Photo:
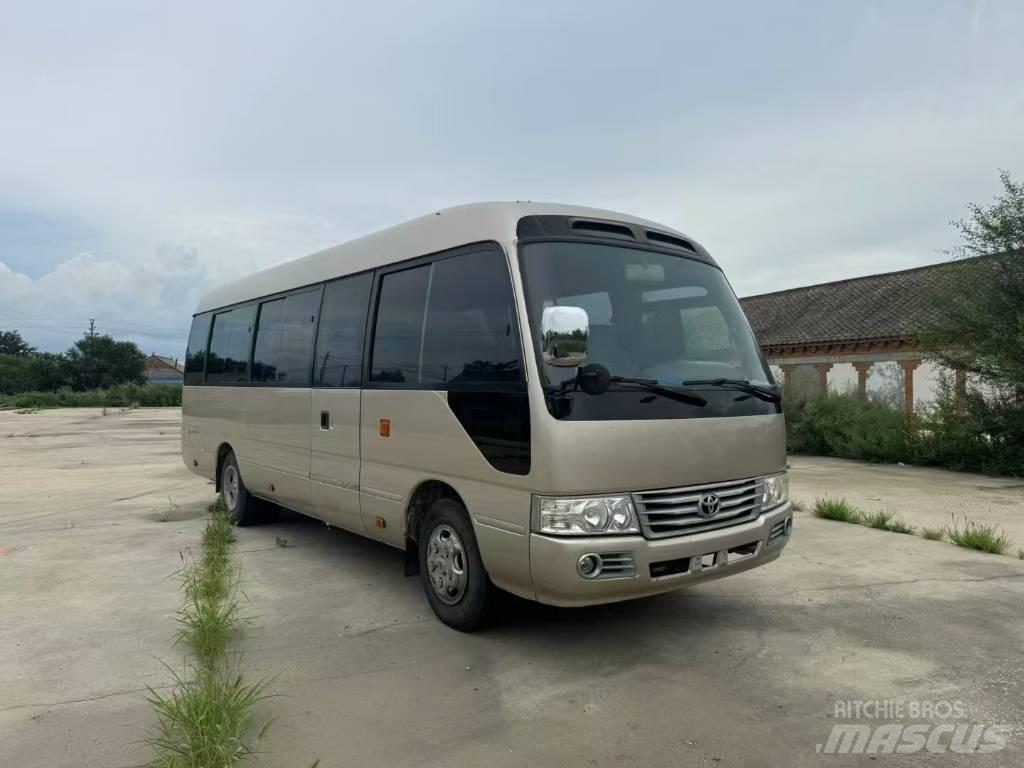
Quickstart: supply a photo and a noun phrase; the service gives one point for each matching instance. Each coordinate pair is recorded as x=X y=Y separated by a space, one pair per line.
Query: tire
x=454 y=580
x=242 y=507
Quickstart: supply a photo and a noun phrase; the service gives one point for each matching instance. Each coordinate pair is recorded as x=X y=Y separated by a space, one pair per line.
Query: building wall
x=885 y=380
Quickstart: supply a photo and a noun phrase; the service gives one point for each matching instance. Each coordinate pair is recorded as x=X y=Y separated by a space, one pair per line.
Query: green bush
x=982 y=432
x=120 y=396
x=849 y=426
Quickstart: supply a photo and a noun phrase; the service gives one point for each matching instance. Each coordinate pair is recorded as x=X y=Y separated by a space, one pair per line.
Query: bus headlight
x=584 y=516
x=776 y=491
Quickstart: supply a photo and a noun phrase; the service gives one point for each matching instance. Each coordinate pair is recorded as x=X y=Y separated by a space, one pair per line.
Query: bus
x=563 y=403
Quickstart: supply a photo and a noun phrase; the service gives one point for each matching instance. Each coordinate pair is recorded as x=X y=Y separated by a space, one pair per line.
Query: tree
x=979 y=306
x=99 y=361
x=11 y=343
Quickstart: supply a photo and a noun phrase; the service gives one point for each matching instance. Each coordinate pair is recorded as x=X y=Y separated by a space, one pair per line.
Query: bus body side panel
x=198 y=449
x=271 y=442
x=267 y=428
x=427 y=442
x=334 y=467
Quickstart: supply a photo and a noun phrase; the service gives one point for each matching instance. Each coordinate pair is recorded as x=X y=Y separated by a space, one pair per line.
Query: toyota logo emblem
x=709 y=505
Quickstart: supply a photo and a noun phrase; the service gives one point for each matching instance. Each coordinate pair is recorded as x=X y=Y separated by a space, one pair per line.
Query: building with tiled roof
x=163 y=370
x=857 y=324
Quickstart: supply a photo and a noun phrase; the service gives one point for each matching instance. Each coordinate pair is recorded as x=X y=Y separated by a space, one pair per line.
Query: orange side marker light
x=385 y=428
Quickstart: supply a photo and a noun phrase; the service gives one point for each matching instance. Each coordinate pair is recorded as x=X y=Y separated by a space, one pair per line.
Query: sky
x=149 y=151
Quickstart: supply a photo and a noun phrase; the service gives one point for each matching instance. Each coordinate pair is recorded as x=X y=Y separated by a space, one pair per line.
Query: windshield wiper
x=741 y=384
x=652 y=385
x=595 y=380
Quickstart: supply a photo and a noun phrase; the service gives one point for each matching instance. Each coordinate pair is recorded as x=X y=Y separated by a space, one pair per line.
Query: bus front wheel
x=454 y=579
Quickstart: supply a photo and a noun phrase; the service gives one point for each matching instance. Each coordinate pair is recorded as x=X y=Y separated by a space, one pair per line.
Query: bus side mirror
x=564 y=335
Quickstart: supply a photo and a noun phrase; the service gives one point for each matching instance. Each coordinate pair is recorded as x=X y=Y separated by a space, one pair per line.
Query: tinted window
x=470 y=334
x=398 y=333
x=269 y=329
x=339 y=346
x=284 y=340
x=229 y=345
x=296 y=357
x=195 y=357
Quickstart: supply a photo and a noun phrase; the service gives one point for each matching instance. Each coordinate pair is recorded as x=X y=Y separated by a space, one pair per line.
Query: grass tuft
x=204 y=719
x=900 y=526
x=211 y=587
x=934 y=534
x=837 y=509
x=1020 y=554
x=798 y=506
x=880 y=519
x=980 y=536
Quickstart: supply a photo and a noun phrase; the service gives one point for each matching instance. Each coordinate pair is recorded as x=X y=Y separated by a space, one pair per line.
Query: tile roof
x=889 y=305
x=170 y=362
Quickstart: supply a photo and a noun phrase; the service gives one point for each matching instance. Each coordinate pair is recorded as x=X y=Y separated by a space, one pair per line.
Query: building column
x=863 y=371
x=960 y=389
x=908 y=366
x=787 y=372
x=823 y=369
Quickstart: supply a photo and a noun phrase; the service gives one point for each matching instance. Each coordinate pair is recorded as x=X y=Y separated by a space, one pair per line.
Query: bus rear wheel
x=240 y=505
x=453 y=575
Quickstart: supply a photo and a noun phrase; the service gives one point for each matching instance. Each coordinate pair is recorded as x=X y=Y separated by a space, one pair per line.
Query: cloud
x=145 y=301
x=799 y=145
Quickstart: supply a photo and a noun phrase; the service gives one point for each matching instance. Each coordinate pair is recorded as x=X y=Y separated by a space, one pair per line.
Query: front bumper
x=556 y=580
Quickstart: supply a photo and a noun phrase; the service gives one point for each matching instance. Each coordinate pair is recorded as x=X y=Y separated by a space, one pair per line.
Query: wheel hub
x=446 y=564
x=229 y=485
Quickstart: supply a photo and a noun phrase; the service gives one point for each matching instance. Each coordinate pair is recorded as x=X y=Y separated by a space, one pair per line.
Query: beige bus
x=561 y=402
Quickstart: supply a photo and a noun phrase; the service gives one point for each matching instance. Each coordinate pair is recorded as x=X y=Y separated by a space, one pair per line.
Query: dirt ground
x=95 y=511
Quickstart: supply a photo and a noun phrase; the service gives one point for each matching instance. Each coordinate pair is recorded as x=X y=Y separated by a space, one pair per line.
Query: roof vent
x=662 y=239
x=603 y=229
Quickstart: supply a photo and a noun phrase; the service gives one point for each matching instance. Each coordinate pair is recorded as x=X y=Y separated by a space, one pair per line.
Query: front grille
x=675 y=511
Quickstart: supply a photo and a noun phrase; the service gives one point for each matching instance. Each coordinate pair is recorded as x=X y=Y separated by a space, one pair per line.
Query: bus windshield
x=653 y=316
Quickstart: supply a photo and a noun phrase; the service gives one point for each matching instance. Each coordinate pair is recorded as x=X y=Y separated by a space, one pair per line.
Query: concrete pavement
x=745 y=671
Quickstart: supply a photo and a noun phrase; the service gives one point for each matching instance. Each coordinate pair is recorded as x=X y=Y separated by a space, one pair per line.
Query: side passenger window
x=448 y=323
x=228 y=362
x=399 y=329
x=195 y=357
x=339 y=345
x=470 y=333
x=283 y=352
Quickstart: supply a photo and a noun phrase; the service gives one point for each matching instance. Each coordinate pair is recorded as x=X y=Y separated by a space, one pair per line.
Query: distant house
x=164 y=370
x=837 y=335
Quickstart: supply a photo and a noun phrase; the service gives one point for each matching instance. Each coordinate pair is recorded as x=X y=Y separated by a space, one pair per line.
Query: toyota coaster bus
x=561 y=402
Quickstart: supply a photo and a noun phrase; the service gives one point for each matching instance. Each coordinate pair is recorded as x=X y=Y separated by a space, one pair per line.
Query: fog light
x=589 y=566
x=789 y=525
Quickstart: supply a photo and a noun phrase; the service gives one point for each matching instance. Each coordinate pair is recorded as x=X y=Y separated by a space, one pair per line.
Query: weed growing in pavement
x=205 y=719
x=899 y=526
x=837 y=509
x=169 y=511
x=934 y=534
x=980 y=536
x=880 y=519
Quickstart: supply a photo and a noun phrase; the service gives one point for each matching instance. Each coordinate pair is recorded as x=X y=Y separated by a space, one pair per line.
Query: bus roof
x=439 y=231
